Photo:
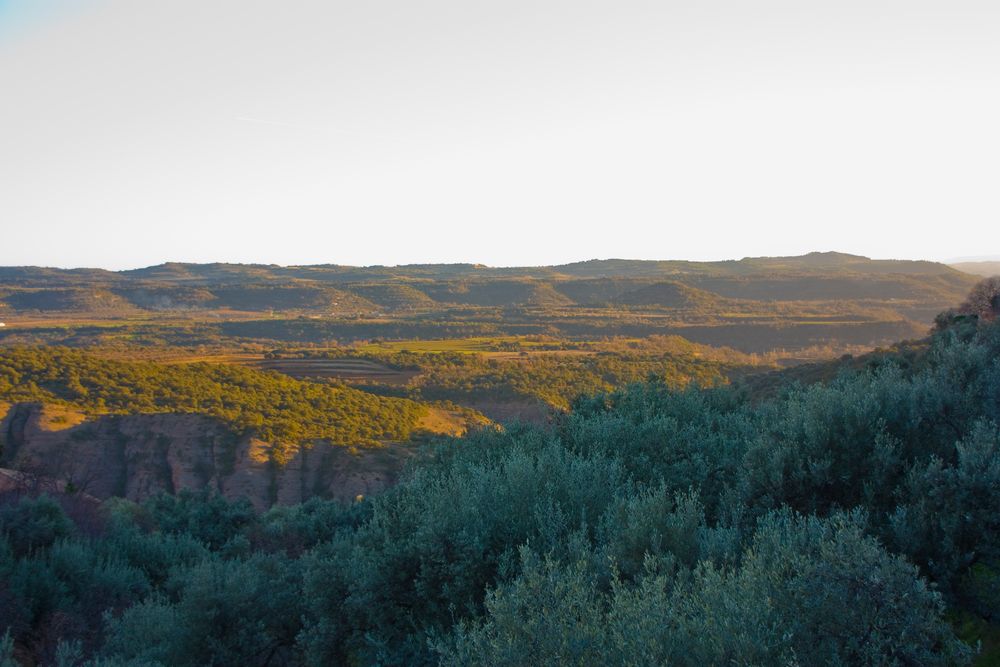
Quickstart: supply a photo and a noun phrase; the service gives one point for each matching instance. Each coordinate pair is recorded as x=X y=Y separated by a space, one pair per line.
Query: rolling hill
x=755 y=304
x=986 y=269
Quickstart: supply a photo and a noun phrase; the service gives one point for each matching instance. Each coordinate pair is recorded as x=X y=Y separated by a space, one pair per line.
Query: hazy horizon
x=130 y=267
x=521 y=133
x=958 y=260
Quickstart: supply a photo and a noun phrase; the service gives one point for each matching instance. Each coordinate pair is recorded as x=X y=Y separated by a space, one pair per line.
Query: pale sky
x=511 y=132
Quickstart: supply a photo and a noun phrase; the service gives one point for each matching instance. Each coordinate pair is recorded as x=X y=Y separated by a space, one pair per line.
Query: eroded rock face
x=136 y=456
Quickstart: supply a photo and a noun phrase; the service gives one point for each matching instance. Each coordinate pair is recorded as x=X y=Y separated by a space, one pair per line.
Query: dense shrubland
x=271 y=406
x=554 y=379
x=546 y=375
x=845 y=523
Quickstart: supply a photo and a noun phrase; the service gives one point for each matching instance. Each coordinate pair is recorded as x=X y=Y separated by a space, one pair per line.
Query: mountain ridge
x=610 y=267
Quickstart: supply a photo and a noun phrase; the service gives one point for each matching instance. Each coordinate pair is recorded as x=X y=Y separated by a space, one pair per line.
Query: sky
x=513 y=132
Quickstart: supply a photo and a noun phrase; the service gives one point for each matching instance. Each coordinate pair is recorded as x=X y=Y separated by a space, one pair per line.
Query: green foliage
x=835 y=596
x=207 y=518
x=551 y=615
x=947 y=518
x=7 y=651
x=553 y=379
x=844 y=523
x=806 y=591
x=220 y=612
x=297 y=528
x=271 y=406
x=33 y=524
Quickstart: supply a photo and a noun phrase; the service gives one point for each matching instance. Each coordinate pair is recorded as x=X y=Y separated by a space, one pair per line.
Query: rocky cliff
x=136 y=456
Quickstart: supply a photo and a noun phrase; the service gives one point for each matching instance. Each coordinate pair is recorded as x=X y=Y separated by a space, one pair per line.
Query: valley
x=296 y=364
x=389 y=454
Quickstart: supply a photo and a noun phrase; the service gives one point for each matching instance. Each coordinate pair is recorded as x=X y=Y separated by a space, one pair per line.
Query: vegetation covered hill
x=270 y=406
x=256 y=287
x=669 y=295
x=480 y=371
x=754 y=304
x=816 y=262
x=848 y=522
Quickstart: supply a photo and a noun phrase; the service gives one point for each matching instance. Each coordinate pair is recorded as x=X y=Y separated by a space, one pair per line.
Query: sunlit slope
x=270 y=406
x=265 y=287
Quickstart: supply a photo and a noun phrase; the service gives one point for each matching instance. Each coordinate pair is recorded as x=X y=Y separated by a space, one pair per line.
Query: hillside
x=285 y=428
x=139 y=455
x=848 y=521
x=134 y=429
x=756 y=305
x=671 y=295
x=267 y=405
x=985 y=269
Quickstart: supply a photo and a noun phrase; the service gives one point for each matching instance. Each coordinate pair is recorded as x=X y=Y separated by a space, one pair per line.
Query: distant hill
x=987 y=269
x=752 y=304
x=812 y=263
x=823 y=263
x=66 y=299
x=669 y=295
x=495 y=292
x=393 y=296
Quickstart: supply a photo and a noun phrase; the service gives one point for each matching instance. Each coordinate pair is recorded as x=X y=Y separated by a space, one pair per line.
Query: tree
x=984 y=300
